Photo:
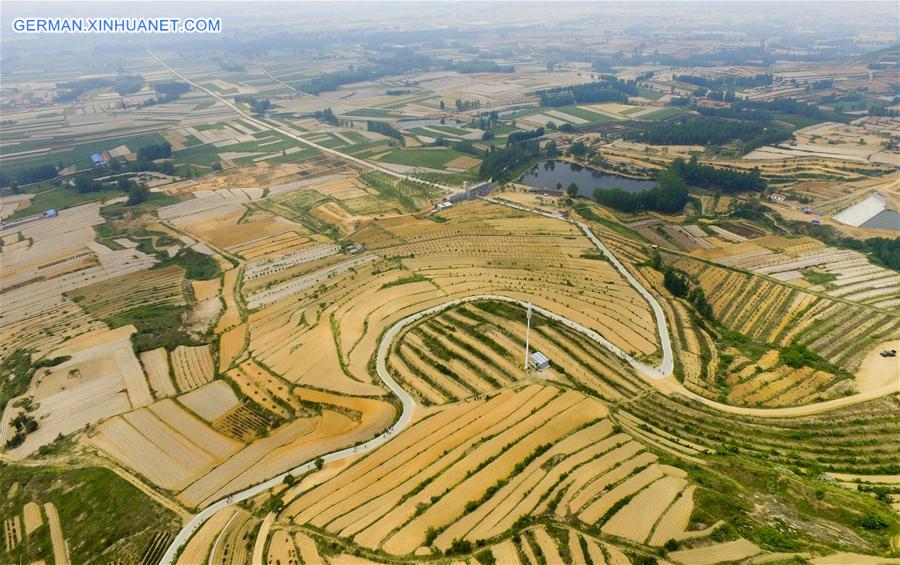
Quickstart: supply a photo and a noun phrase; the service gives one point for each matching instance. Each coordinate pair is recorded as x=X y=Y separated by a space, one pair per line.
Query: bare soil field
x=156 y=365
x=210 y=401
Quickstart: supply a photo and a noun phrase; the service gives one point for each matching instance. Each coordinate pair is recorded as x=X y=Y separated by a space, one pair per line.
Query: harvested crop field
x=60 y=552
x=450 y=473
x=475 y=348
x=101 y=378
x=33 y=519
x=156 y=287
x=156 y=365
x=165 y=444
x=193 y=366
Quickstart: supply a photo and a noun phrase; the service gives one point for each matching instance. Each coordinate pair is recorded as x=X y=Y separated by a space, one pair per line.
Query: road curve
x=407 y=401
x=667 y=366
x=661 y=375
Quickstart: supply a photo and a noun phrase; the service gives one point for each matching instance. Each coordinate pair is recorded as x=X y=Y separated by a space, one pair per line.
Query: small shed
x=98 y=159
x=539 y=361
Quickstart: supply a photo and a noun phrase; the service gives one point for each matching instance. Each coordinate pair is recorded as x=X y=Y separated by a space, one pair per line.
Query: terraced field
x=160 y=287
x=476 y=469
x=841 y=332
x=858 y=439
x=478 y=347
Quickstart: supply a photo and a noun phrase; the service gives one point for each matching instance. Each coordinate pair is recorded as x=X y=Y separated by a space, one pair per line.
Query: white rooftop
x=862 y=212
x=539 y=358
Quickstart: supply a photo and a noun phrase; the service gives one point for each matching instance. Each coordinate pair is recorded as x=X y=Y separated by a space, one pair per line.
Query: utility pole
x=527 y=336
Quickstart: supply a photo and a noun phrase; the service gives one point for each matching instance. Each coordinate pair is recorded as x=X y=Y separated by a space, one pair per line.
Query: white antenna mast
x=527 y=336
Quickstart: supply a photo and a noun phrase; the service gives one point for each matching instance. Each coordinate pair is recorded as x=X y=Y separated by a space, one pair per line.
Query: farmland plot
x=199 y=545
x=60 y=552
x=101 y=379
x=448 y=473
x=772 y=312
x=475 y=348
x=165 y=444
x=210 y=401
x=33 y=519
x=157 y=287
x=12 y=532
x=824 y=436
x=193 y=366
x=156 y=365
x=343 y=421
x=838 y=272
x=718 y=553
x=282 y=550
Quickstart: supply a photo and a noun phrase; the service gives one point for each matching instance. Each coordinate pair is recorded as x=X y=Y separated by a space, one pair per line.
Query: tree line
x=608 y=89
x=711 y=131
x=257 y=106
x=168 y=91
x=521 y=151
x=384 y=128
x=726 y=82
x=333 y=81
x=668 y=196
x=726 y=180
x=762 y=110
x=469 y=67
x=327 y=116
x=677 y=283
x=123 y=84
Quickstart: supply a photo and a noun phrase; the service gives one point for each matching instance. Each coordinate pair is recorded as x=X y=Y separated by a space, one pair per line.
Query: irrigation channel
x=661 y=371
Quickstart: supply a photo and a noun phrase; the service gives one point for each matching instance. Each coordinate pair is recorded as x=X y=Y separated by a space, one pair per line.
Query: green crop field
x=431 y=158
x=650 y=94
x=103 y=517
x=80 y=154
x=584 y=114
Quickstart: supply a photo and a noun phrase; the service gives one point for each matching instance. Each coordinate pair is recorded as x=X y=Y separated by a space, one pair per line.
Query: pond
x=547 y=174
x=884 y=220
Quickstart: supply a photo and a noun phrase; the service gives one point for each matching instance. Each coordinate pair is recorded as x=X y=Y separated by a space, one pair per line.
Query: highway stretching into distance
x=271 y=125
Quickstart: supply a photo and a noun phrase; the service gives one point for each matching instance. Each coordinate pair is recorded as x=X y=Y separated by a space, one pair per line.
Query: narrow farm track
x=272 y=125
x=660 y=376
x=407 y=401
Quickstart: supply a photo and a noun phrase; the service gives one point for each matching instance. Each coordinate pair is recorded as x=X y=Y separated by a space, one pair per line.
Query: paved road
x=272 y=125
x=665 y=368
x=662 y=371
x=661 y=376
x=407 y=401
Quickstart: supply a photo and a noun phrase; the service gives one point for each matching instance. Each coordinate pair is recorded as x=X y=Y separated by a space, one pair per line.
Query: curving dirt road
x=666 y=383
x=660 y=377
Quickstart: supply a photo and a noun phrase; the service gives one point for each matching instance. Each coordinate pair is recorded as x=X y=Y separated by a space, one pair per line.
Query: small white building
x=539 y=361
